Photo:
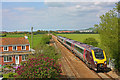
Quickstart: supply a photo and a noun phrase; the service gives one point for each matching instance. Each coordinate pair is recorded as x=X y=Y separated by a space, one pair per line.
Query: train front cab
x=100 y=60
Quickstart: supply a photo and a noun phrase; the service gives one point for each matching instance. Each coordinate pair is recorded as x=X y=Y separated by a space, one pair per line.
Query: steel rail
x=68 y=62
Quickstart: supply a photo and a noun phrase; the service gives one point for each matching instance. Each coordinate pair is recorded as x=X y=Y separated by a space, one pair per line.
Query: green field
x=36 y=38
x=77 y=37
x=81 y=37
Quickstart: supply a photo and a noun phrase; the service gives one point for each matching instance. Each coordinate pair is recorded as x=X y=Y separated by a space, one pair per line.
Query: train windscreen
x=99 y=54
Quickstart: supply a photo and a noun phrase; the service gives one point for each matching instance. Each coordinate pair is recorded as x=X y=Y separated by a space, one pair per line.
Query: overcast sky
x=21 y=16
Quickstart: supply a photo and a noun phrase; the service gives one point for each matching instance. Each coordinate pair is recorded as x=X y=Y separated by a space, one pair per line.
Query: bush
x=50 y=36
x=54 y=34
x=49 y=51
x=1 y=75
x=9 y=66
x=39 y=67
x=11 y=74
x=91 y=41
x=3 y=35
x=46 y=39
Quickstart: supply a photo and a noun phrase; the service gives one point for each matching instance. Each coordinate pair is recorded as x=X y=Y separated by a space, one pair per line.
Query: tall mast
x=31 y=37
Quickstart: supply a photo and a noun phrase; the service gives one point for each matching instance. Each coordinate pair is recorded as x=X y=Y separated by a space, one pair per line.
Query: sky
x=21 y=16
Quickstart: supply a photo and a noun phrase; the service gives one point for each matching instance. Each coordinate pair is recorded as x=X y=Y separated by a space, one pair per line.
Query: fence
x=111 y=63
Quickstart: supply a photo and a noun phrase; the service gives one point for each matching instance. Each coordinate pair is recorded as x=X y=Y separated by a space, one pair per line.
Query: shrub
x=50 y=36
x=49 y=51
x=54 y=34
x=9 y=66
x=1 y=75
x=45 y=39
x=11 y=74
x=39 y=67
x=91 y=41
x=3 y=35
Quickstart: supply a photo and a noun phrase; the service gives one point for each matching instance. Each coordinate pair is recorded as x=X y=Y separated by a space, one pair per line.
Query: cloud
x=0 y=16
x=5 y=10
x=24 y=9
x=97 y=3
x=78 y=6
x=55 y=4
x=81 y=0
x=55 y=16
x=22 y=0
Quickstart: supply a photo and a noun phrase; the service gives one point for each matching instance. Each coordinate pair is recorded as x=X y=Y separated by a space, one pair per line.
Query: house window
x=23 y=47
x=14 y=47
x=7 y=58
x=23 y=57
x=5 y=48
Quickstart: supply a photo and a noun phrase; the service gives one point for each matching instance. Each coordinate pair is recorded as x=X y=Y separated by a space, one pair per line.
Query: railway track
x=66 y=61
x=105 y=76
x=102 y=76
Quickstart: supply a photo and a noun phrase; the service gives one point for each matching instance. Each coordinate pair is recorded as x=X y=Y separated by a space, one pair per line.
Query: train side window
x=68 y=43
x=61 y=39
x=79 y=49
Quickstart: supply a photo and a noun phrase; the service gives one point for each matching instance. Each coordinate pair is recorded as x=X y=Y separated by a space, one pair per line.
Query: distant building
x=65 y=31
x=86 y=31
x=3 y=32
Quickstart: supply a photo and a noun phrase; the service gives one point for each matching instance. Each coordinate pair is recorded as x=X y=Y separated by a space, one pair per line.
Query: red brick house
x=14 y=50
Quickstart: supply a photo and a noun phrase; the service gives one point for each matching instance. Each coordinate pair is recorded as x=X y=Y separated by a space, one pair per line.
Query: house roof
x=14 y=41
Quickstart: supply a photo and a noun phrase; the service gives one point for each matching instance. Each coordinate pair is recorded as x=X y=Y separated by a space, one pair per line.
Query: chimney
x=26 y=37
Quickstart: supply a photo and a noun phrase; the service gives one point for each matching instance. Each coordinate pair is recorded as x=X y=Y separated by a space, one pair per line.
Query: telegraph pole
x=48 y=32
x=31 y=37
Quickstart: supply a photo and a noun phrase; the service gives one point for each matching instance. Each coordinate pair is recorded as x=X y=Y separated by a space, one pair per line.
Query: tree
x=91 y=41
x=108 y=30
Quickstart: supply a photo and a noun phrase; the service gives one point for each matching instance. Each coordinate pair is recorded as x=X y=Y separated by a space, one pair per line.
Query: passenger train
x=94 y=57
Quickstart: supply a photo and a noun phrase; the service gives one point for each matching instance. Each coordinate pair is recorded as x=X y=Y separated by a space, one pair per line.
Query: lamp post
x=31 y=37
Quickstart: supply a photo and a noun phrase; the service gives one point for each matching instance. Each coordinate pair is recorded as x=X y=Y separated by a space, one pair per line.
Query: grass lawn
x=81 y=37
x=36 y=38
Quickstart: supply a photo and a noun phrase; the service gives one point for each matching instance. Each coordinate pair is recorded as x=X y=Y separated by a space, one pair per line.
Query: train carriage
x=94 y=57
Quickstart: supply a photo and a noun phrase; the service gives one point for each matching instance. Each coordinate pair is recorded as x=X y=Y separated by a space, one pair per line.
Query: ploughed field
x=81 y=37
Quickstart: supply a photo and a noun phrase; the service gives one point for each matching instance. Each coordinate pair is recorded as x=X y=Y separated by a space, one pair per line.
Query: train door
x=84 y=55
x=91 y=60
x=87 y=53
x=89 y=57
x=72 y=47
x=64 y=42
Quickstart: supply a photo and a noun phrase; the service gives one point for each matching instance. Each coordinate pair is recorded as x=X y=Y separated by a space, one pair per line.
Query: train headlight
x=105 y=62
x=95 y=62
